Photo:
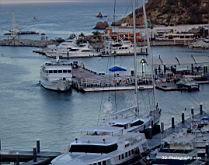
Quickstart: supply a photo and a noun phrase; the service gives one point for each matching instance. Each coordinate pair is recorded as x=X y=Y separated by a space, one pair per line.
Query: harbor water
x=28 y=112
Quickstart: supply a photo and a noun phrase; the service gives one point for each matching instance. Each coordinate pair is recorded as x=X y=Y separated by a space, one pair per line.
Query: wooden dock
x=86 y=80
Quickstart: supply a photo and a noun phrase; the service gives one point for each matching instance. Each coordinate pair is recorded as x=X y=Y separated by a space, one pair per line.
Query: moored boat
x=56 y=76
x=104 y=146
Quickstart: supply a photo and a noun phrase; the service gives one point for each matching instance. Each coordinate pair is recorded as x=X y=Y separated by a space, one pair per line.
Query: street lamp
x=143 y=62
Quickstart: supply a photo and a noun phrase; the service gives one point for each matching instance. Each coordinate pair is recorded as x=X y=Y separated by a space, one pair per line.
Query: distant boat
x=122 y=48
x=187 y=83
x=56 y=76
x=99 y=15
x=69 y=49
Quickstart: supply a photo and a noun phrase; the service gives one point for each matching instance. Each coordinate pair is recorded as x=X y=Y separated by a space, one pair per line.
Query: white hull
x=71 y=55
x=59 y=85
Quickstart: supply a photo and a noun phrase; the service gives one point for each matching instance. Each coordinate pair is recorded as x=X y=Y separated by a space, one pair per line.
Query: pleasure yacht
x=122 y=48
x=56 y=76
x=104 y=146
x=69 y=49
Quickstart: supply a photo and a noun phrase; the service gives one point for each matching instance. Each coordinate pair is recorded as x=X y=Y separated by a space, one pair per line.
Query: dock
x=27 y=43
x=155 y=140
x=35 y=156
x=85 y=80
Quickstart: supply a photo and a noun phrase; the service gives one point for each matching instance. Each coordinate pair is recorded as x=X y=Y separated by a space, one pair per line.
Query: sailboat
x=130 y=118
x=112 y=143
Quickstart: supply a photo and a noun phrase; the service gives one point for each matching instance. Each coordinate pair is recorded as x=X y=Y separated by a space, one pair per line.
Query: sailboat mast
x=135 y=58
x=149 y=49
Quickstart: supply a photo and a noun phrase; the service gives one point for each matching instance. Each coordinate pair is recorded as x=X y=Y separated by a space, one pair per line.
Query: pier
x=35 y=156
x=27 y=43
x=85 y=80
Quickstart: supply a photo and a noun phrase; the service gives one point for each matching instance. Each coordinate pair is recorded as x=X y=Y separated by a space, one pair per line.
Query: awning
x=117 y=69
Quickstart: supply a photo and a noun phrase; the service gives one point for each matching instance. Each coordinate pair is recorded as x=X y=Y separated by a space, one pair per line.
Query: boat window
x=120 y=125
x=93 y=148
x=100 y=163
x=132 y=151
x=119 y=157
x=104 y=163
x=64 y=71
x=50 y=71
x=126 y=155
x=55 y=71
x=69 y=71
x=138 y=122
x=116 y=45
x=59 y=71
x=122 y=156
x=86 y=50
x=73 y=50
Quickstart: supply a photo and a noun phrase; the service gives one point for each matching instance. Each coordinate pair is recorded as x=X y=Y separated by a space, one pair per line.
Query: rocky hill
x=172 y=12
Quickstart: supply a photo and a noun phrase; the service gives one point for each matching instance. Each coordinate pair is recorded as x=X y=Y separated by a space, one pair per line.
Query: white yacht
x=104 y=146
x=122 y=48
x=69 y=49
x=56 y=76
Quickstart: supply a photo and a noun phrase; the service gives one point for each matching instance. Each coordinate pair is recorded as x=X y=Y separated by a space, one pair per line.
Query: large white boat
x=56 y=76
x=69 y=49
x=104 y=146
x=122 y=48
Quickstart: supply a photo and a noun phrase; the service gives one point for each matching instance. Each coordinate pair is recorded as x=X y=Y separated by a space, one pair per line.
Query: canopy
x=117 y=69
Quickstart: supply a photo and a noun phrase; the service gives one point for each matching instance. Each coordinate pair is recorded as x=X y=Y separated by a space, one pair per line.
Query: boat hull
x=59 y=85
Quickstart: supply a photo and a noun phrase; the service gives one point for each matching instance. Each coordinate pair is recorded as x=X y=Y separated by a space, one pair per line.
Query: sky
x=45 y=1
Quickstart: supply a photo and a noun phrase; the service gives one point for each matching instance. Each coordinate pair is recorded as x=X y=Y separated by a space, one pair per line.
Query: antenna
x=135 y=58
x=14 y=29
x=149 y=49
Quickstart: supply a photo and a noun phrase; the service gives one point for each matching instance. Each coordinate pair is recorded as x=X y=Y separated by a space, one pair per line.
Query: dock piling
x=17 y=159
x=192 y=112
x=162 y=127
x=201 y=109
x=173 y=122
x=182 y=117
x=34 y=155
x=207 y=154
x=38 y=146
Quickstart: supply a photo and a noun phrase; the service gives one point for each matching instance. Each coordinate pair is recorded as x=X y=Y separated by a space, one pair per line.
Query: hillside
x=172 y=12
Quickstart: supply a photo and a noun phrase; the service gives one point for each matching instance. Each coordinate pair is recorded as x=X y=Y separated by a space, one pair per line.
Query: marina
x=114 y=114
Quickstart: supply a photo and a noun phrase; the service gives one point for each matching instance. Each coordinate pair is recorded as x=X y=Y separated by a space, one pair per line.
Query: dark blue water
x=29 y=112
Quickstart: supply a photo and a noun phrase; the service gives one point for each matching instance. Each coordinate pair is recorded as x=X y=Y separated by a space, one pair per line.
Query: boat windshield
x=93 y=148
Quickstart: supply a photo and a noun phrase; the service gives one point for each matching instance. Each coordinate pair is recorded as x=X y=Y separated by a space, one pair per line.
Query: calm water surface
x=29 y=112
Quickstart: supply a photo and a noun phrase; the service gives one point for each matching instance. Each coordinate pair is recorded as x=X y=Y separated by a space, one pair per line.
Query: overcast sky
x=52 y=1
